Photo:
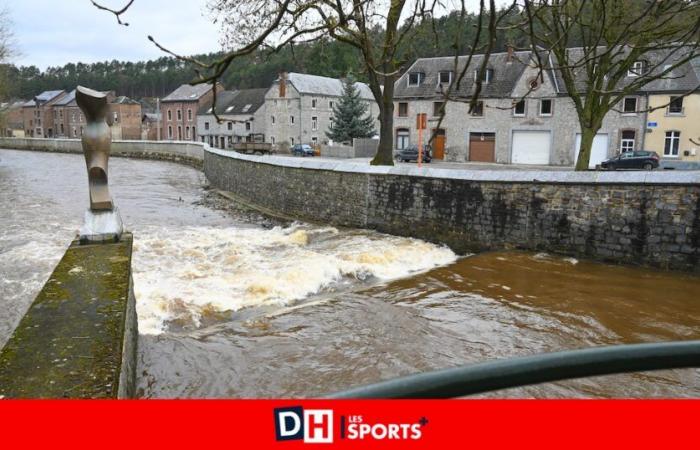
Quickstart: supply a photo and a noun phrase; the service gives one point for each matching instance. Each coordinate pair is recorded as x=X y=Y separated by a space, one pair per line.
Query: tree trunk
x=385 y=151
x=584 y=153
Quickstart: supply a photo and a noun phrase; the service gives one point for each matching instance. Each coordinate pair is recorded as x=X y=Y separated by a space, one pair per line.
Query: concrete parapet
x=78 y=339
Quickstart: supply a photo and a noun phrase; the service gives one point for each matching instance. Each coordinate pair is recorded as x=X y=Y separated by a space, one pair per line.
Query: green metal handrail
x=508 y=373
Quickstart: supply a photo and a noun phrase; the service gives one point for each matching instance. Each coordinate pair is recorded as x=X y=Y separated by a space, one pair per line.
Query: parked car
x=639 y=159
x=410 y=153
x=302 y=150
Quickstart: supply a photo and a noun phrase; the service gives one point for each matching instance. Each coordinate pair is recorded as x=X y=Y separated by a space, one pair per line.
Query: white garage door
x=531 y=147
x=599 y=151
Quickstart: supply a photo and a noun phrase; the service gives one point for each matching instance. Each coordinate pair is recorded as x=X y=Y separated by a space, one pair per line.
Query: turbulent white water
x=181 y=274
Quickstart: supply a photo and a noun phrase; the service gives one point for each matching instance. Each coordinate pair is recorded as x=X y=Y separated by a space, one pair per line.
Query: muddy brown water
x=233 y=305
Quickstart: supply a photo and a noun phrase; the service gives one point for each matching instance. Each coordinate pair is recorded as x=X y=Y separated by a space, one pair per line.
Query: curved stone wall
x=648 y=218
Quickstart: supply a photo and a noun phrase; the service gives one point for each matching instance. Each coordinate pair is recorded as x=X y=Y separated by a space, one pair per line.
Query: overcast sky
x=55 y=32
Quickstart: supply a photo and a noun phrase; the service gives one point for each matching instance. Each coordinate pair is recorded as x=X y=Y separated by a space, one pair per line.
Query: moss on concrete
x=70 y=342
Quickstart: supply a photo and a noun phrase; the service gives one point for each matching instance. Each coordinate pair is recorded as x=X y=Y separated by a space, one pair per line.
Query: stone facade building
x=243 y=118
x=179 y=110
x=299 y=108
x=37 y=114
x=521 y=117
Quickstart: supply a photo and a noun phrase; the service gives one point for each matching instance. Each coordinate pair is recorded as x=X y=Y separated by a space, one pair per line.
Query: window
x=230 y=126
x=402 y=138
x=170 y=115
x=313 y=103
x=170 y=132
x=61 y=128
x=629 y=105
x=247 y=126
x=627 y=140
x=75 y=132
x=189 y=114
x=488 y=75
x=519 y=109
x=330 y=104
x=445 y=77
x=272 y=139
x=179 y=132
x=206 y=125
x=672 y=143
x=403 y=109
x=314 y=123
x=314 y=140
x=637 y=69
x=187 y=132
x=272 y=119
x=179 y=114
x=415 y=78
x=676 y=105
x=291 y=140
x=330 y=123
x=545 y=107
x=60 y=113
x=478 y=110
x=116 y=116
x=247 y=107
x=291 y=120
x=437 y=109
x=194 y=133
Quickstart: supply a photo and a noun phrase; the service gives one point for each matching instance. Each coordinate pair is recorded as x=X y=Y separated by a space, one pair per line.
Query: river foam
x=182 y=274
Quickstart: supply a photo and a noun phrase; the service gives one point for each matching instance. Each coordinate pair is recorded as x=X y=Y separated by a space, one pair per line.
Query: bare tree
x=376 y=28
x=625 y=45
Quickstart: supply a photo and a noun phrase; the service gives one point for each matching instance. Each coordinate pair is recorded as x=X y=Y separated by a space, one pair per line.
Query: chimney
x=510 y=50
x=283 y=84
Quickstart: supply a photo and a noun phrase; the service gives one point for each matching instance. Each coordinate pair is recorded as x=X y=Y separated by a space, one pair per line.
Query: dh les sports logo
x=314 y=426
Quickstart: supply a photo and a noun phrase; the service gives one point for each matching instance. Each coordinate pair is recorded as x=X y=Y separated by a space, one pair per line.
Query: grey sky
x=55 y=32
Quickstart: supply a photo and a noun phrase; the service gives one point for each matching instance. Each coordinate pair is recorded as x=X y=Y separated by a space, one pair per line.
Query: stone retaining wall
x=648 y=218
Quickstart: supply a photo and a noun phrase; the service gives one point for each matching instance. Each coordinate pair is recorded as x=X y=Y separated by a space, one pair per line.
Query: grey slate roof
x=681 y=79
x=244 y=101
x=505 y=76
x=314 y=84
x=124 y=100
x=187 y=93
x=44 y=97
x=66 y=99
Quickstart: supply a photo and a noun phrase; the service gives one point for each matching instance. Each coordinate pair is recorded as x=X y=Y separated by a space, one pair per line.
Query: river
x=232 y=304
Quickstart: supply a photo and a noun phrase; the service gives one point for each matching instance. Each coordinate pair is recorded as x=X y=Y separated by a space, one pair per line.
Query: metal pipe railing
x=508 y=373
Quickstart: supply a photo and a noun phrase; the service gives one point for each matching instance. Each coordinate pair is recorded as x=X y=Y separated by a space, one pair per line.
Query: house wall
x=498 y=118
x=301 y=107
x=238 y=131
x=127 y=122
x=688 y=123
x=172 y=123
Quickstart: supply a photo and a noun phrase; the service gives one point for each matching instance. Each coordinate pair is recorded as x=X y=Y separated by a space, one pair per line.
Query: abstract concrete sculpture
x=102 y=220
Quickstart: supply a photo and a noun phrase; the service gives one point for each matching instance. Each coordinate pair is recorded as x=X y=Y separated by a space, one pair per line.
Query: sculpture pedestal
x=101 y=226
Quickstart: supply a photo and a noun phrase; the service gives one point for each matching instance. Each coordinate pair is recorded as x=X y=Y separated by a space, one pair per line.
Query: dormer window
x=445 y=77
x=637 y=69
x=488 y=75
x=415 y=78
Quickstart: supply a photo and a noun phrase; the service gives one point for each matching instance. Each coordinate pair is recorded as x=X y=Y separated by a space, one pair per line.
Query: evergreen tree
x=351 y=118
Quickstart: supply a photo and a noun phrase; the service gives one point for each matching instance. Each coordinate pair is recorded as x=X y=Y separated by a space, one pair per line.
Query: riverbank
x=631 y=217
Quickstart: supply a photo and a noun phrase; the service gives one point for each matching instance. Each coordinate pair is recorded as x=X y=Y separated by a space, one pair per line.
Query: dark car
x=410 y=153
x=302 y=150
x=640 y=159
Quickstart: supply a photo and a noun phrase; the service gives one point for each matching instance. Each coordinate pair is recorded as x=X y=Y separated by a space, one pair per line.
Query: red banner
x=258 y=424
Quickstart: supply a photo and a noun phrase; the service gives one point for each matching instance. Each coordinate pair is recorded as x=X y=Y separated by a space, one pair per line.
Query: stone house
x=243 y=118
x=123 y=117
x=37 y=114
x=299 y=108
x=541 y=128
x=150 y=126
x=179 y=110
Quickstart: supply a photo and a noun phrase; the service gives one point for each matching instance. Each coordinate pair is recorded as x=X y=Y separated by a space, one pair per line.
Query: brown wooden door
x=439 y=145
x=482 y=147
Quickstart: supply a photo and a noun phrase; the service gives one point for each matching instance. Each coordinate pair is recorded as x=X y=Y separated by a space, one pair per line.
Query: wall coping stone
x=500 y=176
